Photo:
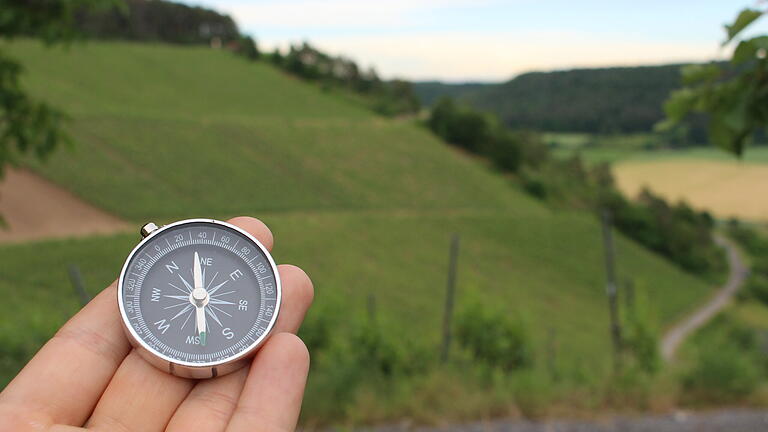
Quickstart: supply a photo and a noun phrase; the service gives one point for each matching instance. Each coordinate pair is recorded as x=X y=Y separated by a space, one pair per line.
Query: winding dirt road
x=737 y=275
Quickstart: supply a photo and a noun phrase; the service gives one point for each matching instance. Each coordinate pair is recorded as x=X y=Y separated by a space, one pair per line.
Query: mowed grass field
x=706 y=177
x=725 y=188
x=365 y=204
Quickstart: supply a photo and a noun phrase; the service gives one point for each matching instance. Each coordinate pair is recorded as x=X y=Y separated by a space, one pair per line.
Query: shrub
x=760 y=264
x=723 y=373
x=535 y=184
x=247 y=47
x=757 y=288
x=380 y=350
x=460 y=126
x=749 y=238
x=640 y=336
x=504 y=150
x=492 y=336
x=317 y=329
x=675 y=231
x=534 y=153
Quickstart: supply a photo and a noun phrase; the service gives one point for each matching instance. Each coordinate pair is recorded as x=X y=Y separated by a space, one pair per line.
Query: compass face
x=199 y=293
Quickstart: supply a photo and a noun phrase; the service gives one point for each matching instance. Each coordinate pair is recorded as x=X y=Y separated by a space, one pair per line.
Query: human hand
x=88 y=376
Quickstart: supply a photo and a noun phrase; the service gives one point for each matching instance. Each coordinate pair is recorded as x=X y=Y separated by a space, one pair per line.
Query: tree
x=158 y=20
x=28 y=126
x=734 y=95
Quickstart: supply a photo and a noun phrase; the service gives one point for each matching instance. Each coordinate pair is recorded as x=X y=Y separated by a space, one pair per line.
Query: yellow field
x=723 y=187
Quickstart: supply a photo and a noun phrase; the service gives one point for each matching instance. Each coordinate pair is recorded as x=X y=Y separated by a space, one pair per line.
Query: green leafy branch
x=28 y=126
x=733 y=95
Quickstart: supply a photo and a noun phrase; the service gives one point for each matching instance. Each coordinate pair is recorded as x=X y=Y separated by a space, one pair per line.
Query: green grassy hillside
x=364 y=204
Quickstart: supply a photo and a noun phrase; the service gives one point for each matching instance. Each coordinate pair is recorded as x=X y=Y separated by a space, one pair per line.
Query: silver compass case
x=192 y=275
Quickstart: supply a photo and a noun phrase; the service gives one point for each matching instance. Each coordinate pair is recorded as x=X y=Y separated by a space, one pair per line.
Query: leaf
x=736 y=116
x=721 y=135
x=679 y=104
x=745 y=18
x=747 y=49
x=696 y=73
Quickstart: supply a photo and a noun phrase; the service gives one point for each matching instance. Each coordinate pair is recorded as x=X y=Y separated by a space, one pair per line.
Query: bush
x=504 y=150
x=535 y=186
x=371 y=357
x=722 y=374
x=640 y=338
x=492 y=336
x=760 y=264
x=643 y=343
x=460 y=126
x=676 y=231
x=754 y=243
x=757 y=288
x=381 y=351
x=317 y=328
x=247 y=48
x=534 y=153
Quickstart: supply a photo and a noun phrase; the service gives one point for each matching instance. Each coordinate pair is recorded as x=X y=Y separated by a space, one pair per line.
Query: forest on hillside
x=607 y=100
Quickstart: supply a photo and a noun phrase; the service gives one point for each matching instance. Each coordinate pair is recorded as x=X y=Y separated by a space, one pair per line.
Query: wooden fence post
x=610 y=272
x=450 y=292
x=77 y=283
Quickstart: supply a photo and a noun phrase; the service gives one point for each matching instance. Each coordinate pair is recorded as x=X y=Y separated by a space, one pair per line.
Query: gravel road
x=737 y=275
x=720 y=421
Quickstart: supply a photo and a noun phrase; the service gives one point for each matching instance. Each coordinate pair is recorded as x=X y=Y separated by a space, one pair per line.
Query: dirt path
x=35 y=209
x=737 y=275
x=721 y=421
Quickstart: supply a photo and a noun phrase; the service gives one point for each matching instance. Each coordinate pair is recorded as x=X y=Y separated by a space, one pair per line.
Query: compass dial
x=198 y=294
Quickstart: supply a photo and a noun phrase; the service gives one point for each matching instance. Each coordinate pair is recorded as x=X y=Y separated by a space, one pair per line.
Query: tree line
x=675 y=231
x=607 y=100
x=155 y=21
x=386 y=97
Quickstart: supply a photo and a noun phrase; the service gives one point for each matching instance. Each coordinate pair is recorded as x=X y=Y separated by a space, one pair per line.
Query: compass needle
x=200 y=319
x=212 y=275
x=199 y=298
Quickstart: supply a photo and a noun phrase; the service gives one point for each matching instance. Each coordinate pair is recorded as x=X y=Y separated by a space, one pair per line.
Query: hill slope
x=364 y=204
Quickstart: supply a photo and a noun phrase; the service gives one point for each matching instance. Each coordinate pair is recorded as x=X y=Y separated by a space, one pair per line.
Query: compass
x=198 y=297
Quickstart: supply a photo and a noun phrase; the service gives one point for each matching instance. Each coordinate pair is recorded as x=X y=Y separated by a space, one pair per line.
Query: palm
x=88 y=376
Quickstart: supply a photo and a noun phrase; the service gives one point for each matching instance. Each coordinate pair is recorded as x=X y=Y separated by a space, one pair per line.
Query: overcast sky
x=488 y=40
